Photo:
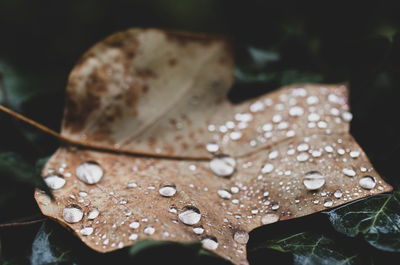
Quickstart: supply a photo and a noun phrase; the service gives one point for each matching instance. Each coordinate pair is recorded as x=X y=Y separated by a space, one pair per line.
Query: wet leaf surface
x=283 y=155
x=376 y=219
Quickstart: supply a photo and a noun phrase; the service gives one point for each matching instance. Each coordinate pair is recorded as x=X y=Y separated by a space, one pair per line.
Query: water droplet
x=93 y=214
x=302 y=157
x=338 y=194
x=72 y=214
x=167 y=190
x=210 y=243
x=273 y=154
x=296 y=111
x=277 y=118
x=198 y=230
x=89 y=172
x=224 y=194
x=86 y=231
x=275 y=206
x=134 y=224
x=212 y=147
x=349 y=172
x=190 y=215
x=313 y=117
x=54 y=182
x=132 y=185
x=149 y=230
x=347 y=116
x=303 y=147
x=354 y=154
x=241 y=236
x=267 y=127
x=234 y=189
x=235 y=135
x=82 y=194
x=311 y=100
x=257 y=106
x=367 y=182
x=269 y=218
x=328 y=203
x=223 y=166
x=266 y=193
x=313 y=180
x=267 y=168
x=133 y=237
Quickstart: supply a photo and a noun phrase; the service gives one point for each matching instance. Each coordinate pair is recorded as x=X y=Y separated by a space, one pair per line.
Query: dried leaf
x=163 y=94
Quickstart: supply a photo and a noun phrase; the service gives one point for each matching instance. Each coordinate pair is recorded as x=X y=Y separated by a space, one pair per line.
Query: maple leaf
x=160 y=153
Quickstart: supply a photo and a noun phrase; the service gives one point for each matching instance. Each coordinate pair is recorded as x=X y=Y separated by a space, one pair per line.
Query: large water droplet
x=210 y=243
x=269 y=218
x=54 y=182
x=223 y=166
x=224 y=194
x=313 y=180
x=72 y=214
x=89 y=172
x=367 y=182
x=168 y=190
x=190 y=215
x=241 y=237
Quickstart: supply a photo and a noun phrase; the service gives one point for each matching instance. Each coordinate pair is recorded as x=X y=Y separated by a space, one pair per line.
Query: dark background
x=276 y=43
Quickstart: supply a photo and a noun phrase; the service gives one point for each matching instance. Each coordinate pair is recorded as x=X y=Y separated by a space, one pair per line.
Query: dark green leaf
x=43 y=251
x=376 y=218
x=310 y=248
x=12 y=166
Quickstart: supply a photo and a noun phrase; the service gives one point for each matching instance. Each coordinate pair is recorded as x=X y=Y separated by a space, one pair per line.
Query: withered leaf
x=163 y=94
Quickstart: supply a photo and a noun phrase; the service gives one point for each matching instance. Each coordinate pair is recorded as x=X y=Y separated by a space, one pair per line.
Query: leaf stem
x=23 y=223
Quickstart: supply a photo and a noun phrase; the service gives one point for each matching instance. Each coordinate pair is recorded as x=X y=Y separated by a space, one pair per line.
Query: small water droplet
x=303 y=147
x=86 y=231
x=134 y=224
x=149 y=230
x=132 y=185
x=223 y=165
x=167 y=190
x=302 y=157
x=257 y=106
x=296 y=111
x=349 y=172
x=72 y=214
x=313 y=180
x=354 y=153
x=210 y=243
x=190 y=215
x=347 y=116
x=273 y=154
x=269 y=218
x=277 y=118
x=275 y=206
x=328 y=203
x=224 y=194
x=198 y=230
x=367 y=182
x=54 y=182
x=267 y=168
x=133 y=237
x=212 y=147
x=93 y=214
x=234 y=189
x=267 y=127
x=241 y=236
x=313 y=117
x=89 y=172
x=235 y=135
x=311 y=100
x=338 y=194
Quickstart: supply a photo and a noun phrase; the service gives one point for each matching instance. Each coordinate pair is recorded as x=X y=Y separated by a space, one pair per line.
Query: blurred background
x=276 y=43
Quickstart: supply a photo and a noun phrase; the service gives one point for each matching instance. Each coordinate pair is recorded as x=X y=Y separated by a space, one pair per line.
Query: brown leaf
x=164 y=94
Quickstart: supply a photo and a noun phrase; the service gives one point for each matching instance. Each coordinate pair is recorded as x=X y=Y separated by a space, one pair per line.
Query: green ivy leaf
x=376 y=218
x=13 y=166
x=310 y=248
x=44 y=251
